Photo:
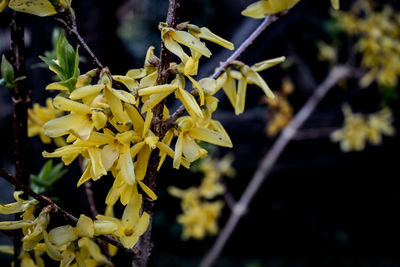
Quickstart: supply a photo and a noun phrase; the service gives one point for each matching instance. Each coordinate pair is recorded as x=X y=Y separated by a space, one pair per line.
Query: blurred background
x=319 y=206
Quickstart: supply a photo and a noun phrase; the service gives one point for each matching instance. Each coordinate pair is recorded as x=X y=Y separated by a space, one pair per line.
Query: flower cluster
x=113 y=124
x=378 y=33
x=280 y=111
x=359 y=129
x=200 y=209
x=67 y=243
x=110 y=123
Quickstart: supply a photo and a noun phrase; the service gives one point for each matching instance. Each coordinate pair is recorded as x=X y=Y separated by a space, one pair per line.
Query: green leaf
x=48 y=175
x=53 y=65
x=66 y=56
x=7 y=72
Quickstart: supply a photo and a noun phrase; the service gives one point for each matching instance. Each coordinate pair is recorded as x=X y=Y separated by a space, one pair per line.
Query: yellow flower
x=335 y=4
x=113 y=96
x=261 y=9
x=188 y=132
x=358 y=129
x=131 y=226
x=38 y=116
x=172 y=38
x=80 y=122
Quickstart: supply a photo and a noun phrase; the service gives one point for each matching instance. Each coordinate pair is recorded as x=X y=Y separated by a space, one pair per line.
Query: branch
x=145 y=244
x=20 y=98
x=224 y=65
x=71 y=219
x=69 y=24
x=261 y=174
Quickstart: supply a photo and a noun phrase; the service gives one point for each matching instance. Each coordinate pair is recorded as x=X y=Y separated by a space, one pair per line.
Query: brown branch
x=20 y=99
x=71 y=219
x=69 y=24
x=266 y=164
x=224 y=65
x=145 y=244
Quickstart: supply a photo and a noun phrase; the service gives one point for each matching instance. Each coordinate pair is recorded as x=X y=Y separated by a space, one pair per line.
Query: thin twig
x=71 y=219
x=70 y=26
x=145 y=244
x=20 y=99
x=266 y=164
x=235 y=55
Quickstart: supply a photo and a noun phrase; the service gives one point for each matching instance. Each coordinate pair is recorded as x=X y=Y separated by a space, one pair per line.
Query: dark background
x=319 y=206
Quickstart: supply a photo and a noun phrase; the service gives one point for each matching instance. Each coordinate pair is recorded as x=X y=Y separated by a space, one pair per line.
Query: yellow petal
x=109 y=154
x=266 y=64
x=116 y=107
x=12 y=225
x=335 y=4
x=99 y=119
x=199 y=89
x=230 y=89
x=241 y=96
x=51 y=250
x=208 y=35
x=68 y=257
x=189 y=102
x=130 y=83
x=192 y=150
x=147 y=190
x=166 y=150
x=66 y=104
x=254 y=77
x=178 y=151
x=142 y=224
x=86 y=91
x=57 y=86
x=86 y=175
x=147 y=123
x=62 y=235
x=85 y=227
x=153 y=100
x=126 y=164
x=129 y=241
x=190 y=41
x=165 y=88
x=136 y=73
x=149 y=80
x=131 y=211
x=40 y=8
x=7 y=249
x=264 y=8
x=176 y=49
x=102 y=227
x=124 y=96
x=16 y=207
x=136 y=117
x=97 y=169
x=209 y=136
x=142 y=162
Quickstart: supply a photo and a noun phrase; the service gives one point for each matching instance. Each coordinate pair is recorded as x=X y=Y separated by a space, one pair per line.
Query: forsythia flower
x=38 y=116
x=378 y=33
x=131 y=226
x=200 y=212
x=358 y=129
x=261 y=9
x=280 y=111
x=245 y=75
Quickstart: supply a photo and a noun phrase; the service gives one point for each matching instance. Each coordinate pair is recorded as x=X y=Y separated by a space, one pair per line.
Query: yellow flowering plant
x=119 y=125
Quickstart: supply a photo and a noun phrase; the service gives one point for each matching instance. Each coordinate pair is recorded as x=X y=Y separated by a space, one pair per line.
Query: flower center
x=128 y=231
